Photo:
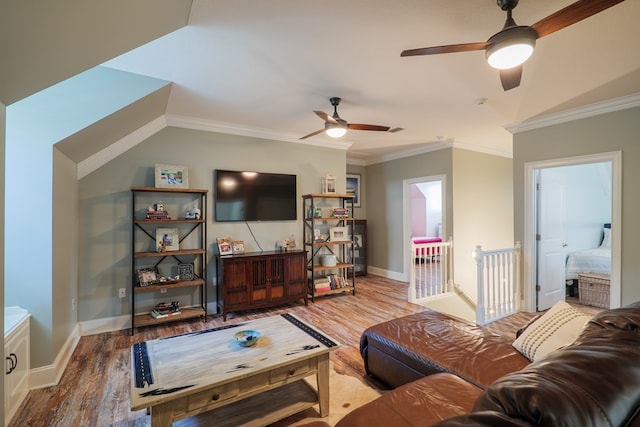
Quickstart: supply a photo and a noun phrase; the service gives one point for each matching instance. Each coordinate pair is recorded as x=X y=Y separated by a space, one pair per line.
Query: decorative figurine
x=193 y=213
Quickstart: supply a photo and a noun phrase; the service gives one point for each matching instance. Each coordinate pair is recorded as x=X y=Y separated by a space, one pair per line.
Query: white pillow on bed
x=556 y=328
x=606 y=241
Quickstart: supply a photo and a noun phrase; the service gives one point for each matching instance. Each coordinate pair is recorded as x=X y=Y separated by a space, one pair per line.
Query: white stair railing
x=431 y=273
x=498 y=283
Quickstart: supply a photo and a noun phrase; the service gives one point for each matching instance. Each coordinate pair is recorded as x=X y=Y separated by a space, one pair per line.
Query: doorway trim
x=529 y=261
x=406 y=215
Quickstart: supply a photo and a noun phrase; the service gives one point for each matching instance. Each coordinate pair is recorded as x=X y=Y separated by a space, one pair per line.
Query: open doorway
x=568 y=204
x=424 y=212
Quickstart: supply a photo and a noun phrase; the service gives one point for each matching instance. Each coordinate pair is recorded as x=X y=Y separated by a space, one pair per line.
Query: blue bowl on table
x=247 y=338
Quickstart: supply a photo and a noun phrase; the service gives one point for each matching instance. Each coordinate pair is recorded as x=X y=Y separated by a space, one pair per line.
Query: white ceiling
x=261 y=67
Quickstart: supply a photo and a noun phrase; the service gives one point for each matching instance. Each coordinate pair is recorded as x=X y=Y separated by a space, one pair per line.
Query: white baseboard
x=50 y=375
x=107 y=324
x=400 y=277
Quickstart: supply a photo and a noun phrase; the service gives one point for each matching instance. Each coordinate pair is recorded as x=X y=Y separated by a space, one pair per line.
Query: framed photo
x=147 y=276
x=172 y=176
x=237 y=247
x=225 y=245
x=329 y=183
x=185 y=271
x=167 y=239
x=338 y=234
x=353 y=188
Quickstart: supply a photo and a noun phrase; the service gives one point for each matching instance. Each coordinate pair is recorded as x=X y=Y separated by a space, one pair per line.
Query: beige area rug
x=345 y=394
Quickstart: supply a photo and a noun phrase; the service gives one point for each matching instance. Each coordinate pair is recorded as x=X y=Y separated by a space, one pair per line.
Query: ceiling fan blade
x=324 y=116
x=452 y=48
x=359 y=126
x=312 y=134
x=571 y=14
x=511 y=78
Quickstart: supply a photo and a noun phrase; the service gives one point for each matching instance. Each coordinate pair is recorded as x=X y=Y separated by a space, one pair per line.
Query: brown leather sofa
x=454 y=374
x=405 y=349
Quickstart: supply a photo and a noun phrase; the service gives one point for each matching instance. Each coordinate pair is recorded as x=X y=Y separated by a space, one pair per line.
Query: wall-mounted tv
x=255 y=196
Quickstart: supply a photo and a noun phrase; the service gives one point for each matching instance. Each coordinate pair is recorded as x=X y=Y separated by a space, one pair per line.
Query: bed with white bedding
x=594 y=260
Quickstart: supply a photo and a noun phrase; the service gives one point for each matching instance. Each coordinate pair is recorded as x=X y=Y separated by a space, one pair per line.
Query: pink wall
x=418 y=212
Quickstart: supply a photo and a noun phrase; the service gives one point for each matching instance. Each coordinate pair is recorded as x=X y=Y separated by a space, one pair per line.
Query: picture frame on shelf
x=186 y=271
x=172 y=176
x=237 y=247
x=329 y=184
x=225 y=245
x=167 y=239
x=353 y=188
x=147 y=276
x=338 y=234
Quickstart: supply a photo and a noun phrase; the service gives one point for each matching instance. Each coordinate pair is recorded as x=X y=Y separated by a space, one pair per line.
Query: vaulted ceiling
x=261 y=68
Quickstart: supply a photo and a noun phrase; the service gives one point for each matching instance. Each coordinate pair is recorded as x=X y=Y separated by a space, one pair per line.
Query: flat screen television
x=255 y=196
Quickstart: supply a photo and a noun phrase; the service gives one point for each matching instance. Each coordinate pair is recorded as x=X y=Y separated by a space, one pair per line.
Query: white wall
x=483 y=210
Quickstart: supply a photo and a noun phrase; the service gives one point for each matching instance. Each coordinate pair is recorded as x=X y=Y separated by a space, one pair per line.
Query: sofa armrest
x=419 y=403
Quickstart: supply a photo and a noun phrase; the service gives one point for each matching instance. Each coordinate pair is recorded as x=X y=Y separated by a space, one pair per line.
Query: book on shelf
x=340 y=281
x=321 y=285
x=164 y=309
x=340 y=212
x=158 y=315
x=336 y=281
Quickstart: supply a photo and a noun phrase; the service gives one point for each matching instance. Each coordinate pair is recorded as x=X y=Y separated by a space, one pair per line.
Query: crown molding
x=426 y=148
x=591 y=110
x=234 y=129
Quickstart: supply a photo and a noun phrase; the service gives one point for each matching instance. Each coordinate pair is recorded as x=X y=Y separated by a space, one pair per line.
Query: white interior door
x=550 y=235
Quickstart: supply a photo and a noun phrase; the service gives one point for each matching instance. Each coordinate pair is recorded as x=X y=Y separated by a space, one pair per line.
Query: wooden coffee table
x=185 y=375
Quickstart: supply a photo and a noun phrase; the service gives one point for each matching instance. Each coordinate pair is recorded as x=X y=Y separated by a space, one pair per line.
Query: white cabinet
x=16 y=368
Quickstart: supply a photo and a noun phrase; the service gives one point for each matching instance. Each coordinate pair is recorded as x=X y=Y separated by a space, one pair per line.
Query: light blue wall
x=587 y=204
x=33 y=126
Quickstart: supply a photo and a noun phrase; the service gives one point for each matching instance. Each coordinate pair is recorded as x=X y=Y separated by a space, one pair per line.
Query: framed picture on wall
x=172 y=176
x=353 y=188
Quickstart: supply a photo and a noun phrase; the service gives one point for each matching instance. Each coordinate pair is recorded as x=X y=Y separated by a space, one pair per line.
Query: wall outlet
x=163 y=290
x=73 y=304
x=122 y=292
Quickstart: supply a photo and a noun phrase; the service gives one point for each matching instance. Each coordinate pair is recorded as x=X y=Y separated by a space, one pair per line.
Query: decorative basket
x=594 y=289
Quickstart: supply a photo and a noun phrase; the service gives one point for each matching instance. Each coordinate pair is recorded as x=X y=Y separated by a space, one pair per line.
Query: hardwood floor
x=95 y=387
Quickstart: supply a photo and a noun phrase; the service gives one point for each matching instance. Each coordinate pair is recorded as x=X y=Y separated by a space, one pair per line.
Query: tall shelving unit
x=319 y=220
x=192 y=235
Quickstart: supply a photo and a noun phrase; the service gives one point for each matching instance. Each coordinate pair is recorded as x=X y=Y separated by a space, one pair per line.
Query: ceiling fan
x=335 y=126
x=508 y=49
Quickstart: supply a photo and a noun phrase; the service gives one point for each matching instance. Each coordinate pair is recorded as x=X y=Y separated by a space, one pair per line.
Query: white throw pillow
x=558 y=327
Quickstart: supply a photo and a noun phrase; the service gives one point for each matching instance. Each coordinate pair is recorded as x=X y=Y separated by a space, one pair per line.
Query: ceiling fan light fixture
x=511 y=47
x=335 y=130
